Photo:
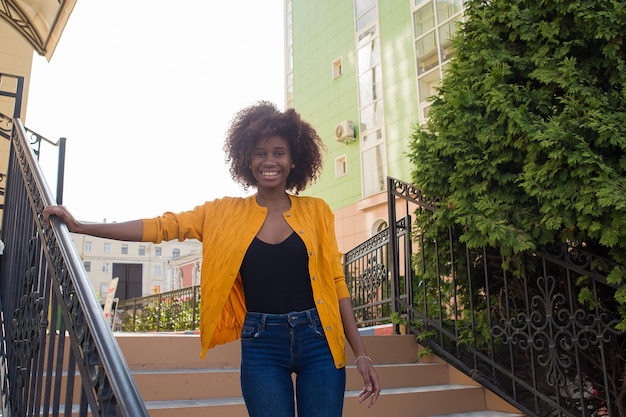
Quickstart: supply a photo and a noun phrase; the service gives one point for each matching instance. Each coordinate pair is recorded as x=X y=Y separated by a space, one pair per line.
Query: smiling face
x=271 y=163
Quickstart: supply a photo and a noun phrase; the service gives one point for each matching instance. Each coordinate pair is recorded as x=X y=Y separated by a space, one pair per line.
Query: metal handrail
x=54 y=333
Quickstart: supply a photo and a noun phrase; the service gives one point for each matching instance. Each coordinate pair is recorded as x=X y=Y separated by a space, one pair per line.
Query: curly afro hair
x=263 y=120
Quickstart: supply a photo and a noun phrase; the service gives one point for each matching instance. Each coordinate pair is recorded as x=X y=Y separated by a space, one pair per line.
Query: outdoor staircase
x=173 y=381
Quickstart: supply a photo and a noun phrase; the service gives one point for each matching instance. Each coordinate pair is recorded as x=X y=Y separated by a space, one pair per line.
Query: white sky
x=144 y=91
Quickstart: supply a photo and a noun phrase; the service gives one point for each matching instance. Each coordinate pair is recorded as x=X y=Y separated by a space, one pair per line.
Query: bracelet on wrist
x=362 y=357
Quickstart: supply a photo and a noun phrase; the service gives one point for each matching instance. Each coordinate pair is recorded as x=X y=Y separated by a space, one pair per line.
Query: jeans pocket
x=316 y=326
x=250 y=332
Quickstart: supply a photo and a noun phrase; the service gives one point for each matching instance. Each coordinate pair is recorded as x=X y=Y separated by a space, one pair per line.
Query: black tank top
x=276 y=277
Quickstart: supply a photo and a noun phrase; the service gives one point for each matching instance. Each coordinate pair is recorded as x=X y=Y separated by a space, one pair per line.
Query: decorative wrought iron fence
x=59 y=356
x=369 y=269
x=175 y=310
x=528 y=336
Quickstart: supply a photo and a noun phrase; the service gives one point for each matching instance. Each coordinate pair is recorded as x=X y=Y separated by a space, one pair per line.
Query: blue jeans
x=275 y=346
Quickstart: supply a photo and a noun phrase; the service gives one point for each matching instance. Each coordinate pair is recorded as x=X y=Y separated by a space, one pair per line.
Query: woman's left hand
x=371 y=385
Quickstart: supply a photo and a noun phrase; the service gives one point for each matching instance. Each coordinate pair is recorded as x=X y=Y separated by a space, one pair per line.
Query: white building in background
x=144 y=268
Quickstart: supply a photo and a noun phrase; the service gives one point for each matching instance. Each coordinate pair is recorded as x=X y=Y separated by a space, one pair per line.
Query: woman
x=271 y=270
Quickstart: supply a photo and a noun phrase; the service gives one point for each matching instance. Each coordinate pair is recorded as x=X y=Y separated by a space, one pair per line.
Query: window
x=157 y=270
x=371 y=109
x=87 y=266
x=379 y=226
x=341 y=166
x=107 y=248
x=105 y=268
x=124 y=249
x=370 y=85
x=424 y=20
x=373 y=173
x=337 y=68
x=447 y=8
x=157 y=251
x=87 y=246
x=371 y=116
x=175 y=253
x=435 y=23
x=427 y=53
x=428 y=85
x=365 y=12
x=368 y=55
x=373 y=138
x=361 y=6
x=142 y=250
x=446 y=33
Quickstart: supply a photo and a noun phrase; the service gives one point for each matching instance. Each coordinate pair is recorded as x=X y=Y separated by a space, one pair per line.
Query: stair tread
x=193 y=403
x=236 y=369
x=407 y=390
x=157 y=371
x=482 y=414
x=348 y=394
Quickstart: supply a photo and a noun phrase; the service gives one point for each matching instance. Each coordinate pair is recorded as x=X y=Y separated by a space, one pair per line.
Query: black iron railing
x=59 y=356
x=525 y=331
x=12 y=87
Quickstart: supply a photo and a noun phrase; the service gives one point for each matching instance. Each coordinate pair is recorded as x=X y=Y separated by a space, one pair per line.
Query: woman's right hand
x=130 y=231
x=63 y=214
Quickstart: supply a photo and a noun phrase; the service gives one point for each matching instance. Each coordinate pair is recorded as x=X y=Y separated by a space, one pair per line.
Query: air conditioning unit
x=344 y=132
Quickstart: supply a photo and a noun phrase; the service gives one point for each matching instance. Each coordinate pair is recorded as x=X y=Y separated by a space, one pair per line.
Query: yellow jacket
x=226 y=227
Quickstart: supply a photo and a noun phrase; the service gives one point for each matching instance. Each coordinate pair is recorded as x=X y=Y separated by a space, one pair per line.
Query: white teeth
x=269 y=173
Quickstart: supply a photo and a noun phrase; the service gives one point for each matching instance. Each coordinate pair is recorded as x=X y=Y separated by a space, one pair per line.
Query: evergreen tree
x=526 y=141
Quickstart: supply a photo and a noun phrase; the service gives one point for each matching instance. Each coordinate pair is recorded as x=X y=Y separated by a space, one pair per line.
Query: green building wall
x=323 y=31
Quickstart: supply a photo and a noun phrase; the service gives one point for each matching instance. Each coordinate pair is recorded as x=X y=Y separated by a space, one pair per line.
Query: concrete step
x=173 y=380
x=482 y=414
x=182 y=351
x=418 y=401
x=399 y=402
x=173 y=384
